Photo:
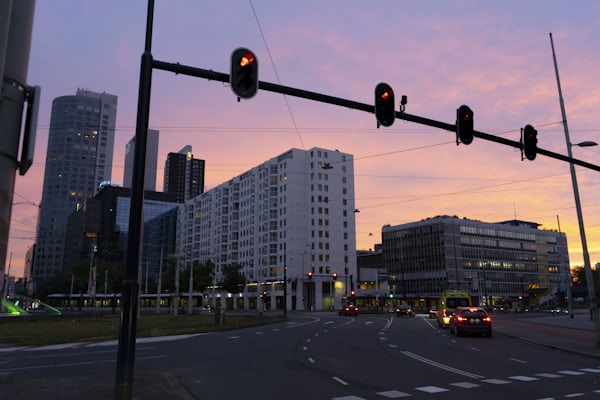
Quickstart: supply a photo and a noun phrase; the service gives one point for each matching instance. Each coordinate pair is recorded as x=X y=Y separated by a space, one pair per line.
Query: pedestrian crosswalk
x=434 y=389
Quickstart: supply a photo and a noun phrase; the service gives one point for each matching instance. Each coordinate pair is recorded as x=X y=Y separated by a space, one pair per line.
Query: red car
x=349 y=309
x=471 y=321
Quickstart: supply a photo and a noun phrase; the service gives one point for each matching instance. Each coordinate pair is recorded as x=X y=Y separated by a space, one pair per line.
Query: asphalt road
x=324 y=356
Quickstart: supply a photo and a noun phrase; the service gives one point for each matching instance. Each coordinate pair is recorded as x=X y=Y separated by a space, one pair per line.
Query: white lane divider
x=340 y=380
x=441 y=366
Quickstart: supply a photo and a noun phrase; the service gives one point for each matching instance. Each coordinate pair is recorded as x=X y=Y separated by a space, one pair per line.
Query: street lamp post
x=586 y=256
x=285 y=282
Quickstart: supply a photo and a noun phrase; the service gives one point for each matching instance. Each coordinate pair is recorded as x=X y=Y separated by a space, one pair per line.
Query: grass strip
x=101 y=327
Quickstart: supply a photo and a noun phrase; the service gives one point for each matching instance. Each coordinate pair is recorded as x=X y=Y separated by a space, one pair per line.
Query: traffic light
x=464 y=125
x=352 y=293
x=310 y=274
x=244 y=73
x=529 y=142
x=384 y=105
x=334 y=276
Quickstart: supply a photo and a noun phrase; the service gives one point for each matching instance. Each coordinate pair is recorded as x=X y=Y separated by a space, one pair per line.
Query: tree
x=233 y=280
x=580 y=281
x=203 y=275
x=168 y=276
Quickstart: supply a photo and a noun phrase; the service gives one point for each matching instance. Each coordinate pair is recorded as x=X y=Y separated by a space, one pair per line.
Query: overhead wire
x=287 y=104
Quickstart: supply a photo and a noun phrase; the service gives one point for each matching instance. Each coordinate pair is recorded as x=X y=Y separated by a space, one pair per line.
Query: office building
x=151 y=161
x=99 y=232
x=281 y=220
x=511 y=263
x=184 y=175
x=78 y=159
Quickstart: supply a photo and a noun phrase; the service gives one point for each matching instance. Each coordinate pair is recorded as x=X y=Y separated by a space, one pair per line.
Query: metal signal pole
x=586 y=256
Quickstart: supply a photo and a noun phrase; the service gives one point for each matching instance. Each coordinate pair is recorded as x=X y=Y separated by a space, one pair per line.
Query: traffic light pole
x=370 y=108
x=131 y=286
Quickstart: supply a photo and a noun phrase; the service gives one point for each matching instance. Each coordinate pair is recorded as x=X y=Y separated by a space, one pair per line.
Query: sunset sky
x=493 y=56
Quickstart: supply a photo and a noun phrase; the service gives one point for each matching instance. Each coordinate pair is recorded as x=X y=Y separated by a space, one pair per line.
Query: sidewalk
x=146 y=386
x=560 y=332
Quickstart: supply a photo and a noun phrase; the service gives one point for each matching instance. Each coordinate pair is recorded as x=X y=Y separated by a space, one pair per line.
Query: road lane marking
x=75 y=364
x=567 y=372
x=297 y=324
x=431 y=389
x=442 y=366
x=340 y=380
x=568 y=396
x=495 y=381
x=517 y=360
x=311 y=360
x=592 y=370
x=523 y=378
x=547 y=375
x=465 y=385
x=393 y=394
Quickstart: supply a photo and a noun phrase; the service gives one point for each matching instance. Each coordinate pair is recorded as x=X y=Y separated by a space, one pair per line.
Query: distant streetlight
x=586 y=143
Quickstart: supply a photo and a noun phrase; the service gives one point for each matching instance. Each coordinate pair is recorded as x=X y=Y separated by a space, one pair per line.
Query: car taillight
x=460 y=318
x=487 y=319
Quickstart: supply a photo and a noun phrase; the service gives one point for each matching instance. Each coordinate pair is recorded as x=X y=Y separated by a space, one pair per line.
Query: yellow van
x=449 y=301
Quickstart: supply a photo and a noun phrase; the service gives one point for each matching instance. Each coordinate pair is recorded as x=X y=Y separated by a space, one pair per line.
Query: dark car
x=471 y=321
x=433 y=310
x=348 y=309
x=404 y=311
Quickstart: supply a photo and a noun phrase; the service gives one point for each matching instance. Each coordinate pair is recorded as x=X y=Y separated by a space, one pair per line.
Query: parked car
x=471 y=320
x=404 y=310
x=348 y=309
x=433 y=312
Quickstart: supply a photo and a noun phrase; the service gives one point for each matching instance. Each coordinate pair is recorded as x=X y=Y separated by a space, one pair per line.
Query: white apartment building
x=296 y=211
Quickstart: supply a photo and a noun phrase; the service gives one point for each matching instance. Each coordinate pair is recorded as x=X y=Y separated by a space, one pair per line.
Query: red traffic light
x=243 y=76
x=384 y=105
x=310 y=274
x=464 y=124
x=334 y=276
x=530 y=142
x=246 y=59
x=352 y=293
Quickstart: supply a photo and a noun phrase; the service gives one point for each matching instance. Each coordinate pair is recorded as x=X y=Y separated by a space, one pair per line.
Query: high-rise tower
x=78 y=159
x=184 y=175
x=151 y=161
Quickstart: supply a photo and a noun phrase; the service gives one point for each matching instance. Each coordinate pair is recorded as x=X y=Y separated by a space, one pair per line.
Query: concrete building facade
x=284 y=218
x=78 y=159
x=184 y=175
x=151 y=161
x=511 y=263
